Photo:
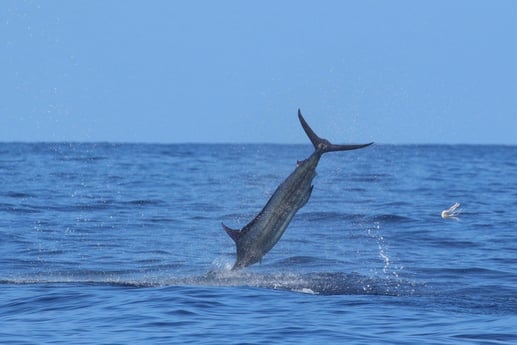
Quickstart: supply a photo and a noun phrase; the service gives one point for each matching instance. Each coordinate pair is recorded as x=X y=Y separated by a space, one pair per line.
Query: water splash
x=388 y=270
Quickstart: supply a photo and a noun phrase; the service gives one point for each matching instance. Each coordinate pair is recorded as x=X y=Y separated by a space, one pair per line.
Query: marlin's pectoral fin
x=306 y=197
x=234 y=234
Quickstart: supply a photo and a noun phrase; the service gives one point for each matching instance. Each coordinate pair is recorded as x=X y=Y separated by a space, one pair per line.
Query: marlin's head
x=246 y=258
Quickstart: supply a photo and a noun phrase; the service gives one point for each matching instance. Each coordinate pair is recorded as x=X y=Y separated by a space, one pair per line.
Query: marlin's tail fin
x=324 y=145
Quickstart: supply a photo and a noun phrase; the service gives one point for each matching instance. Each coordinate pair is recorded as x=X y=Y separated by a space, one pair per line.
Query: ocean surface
x=123 y=244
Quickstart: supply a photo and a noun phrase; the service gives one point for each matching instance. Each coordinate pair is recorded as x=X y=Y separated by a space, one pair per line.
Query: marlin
x=261 y=234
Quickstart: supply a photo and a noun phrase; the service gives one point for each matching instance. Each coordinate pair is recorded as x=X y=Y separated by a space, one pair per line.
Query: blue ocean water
x=122 y=243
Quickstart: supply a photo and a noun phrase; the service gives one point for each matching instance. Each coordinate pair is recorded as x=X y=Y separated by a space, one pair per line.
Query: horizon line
x=116 y=142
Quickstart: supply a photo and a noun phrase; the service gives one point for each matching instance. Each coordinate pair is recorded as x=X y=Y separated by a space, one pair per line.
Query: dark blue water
x=119 y=244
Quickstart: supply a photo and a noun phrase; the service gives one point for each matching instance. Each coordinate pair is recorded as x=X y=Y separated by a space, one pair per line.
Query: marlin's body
x=263 y=232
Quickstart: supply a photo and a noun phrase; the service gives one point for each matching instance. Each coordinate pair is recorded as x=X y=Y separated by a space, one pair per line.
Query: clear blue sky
x=237 y=71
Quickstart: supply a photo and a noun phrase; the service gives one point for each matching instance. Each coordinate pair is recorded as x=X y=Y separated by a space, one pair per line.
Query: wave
x=356 y=217
x=95 y=205
x=319 y=283
x=390 y=218
x=18 y=195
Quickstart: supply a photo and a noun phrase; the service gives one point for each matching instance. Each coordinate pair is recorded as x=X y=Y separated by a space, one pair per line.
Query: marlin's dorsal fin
x=234 y=234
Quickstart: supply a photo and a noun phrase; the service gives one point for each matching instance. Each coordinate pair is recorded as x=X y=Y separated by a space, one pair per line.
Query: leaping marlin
x=263 y=232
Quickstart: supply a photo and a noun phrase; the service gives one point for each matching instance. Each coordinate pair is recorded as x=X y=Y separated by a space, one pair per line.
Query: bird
x=453 y=211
